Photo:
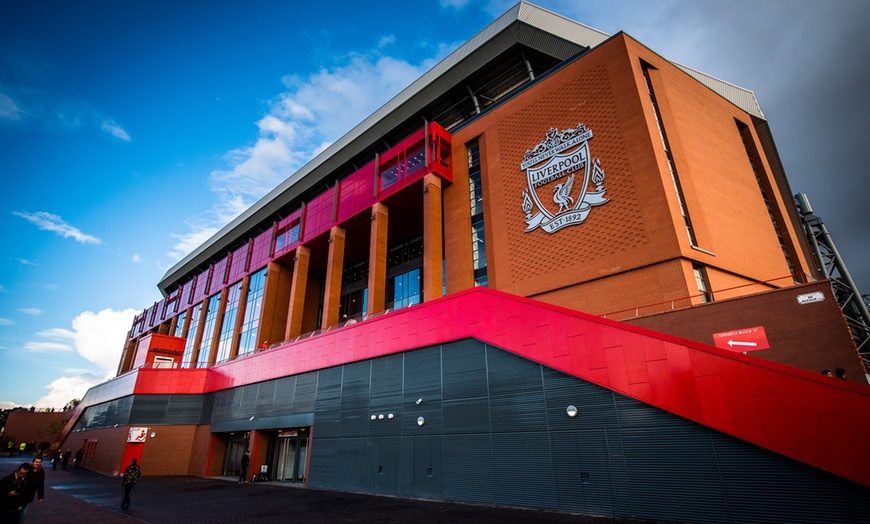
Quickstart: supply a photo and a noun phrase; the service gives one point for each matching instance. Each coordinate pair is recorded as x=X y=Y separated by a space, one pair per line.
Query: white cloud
x=302 y=122
x=137 y=258
x=115 y=130
x=99 y=338
x=64 y=389
x=9 y=110
x=25 y=262
x=39 y=347
x=30 y=311
x=386 y=40
x=6 y=322
x=50 y=222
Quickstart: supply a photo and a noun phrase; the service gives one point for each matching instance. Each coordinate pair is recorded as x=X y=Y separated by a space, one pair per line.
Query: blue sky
x=129 y=132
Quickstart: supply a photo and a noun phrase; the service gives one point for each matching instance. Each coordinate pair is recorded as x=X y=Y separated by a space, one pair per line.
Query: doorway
x=290 y=455
x=233 y=460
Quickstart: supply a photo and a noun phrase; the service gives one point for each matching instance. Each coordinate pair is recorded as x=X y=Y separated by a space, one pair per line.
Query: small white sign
x=809 y=298
x=137 y=434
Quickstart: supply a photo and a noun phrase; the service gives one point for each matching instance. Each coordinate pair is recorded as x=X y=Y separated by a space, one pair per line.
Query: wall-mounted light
x=381 y=416
x=390 y=416
x=153 y=434
x=571 y=411
x=419 y=401
x=374 y=417
x=252 y=418
x=421 y=421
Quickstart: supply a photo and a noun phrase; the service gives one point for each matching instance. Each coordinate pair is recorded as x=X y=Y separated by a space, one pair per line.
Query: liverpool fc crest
x=552 y=170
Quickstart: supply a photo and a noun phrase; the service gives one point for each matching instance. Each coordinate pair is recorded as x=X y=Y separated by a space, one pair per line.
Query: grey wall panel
x=469 y=415
x=306 y=386
x=248 y=400
x=430 y=410
x=523 y=470
x=384 y=470
x=327 y=411
x=323 y=471
x=148 y=408
x=265 y=405
x=387 y=382
x=356 y=385
x=464 y=370
x=285 y=394
x=423 y=375
x=467 y=468
x=352 y=464
x=184 y=409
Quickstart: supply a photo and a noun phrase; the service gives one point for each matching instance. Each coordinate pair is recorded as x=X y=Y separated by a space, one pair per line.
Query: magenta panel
x=185 y=294
x=200 y=290
x=238 y=263
x=356 y=192
x=318 y=215
x=261 y=252
x=218 y=276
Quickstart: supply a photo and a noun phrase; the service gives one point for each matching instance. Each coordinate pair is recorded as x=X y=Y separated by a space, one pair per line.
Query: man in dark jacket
x=35 y=484
x=13 y=493
x=130 y=476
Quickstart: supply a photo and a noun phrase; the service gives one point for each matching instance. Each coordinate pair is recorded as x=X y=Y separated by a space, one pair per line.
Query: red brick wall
x=33 y=426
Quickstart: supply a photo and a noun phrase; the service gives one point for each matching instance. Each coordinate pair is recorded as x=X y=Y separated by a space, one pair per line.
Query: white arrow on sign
x=733 y=343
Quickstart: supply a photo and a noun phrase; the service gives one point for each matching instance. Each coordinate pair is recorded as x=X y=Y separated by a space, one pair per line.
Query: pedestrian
x=55 y=459
x=130 y=476
x=35 y=485
x=827 y=373
x=13 y=491
x=65 y=458
x=246 y=459
x=841 y=373
x=80 y=454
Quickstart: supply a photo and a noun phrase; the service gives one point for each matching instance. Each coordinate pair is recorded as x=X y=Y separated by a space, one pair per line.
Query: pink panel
x=201 y=289
x=261 y=252
x=185 y=295
x=318 y=215
x=356 y=192
x=238 y=263
x=218 y=276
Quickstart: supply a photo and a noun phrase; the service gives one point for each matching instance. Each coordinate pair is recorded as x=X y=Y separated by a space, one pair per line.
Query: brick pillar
x=433 y=235
x=297 y=293
x=378 y=259
x=334 y=268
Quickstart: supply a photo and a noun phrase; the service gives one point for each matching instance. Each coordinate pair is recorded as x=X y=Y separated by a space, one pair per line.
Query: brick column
x=378 y=259
x=433 y=236
x=297 y=293
x=334 y=268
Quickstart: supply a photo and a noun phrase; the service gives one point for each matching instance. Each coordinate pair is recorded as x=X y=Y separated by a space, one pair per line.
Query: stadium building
x=557 y=271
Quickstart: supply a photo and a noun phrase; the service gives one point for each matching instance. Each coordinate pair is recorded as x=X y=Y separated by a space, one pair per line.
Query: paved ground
x=81 y=496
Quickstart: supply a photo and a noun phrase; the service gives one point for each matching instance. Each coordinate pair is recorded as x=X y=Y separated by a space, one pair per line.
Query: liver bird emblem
x=562 y=194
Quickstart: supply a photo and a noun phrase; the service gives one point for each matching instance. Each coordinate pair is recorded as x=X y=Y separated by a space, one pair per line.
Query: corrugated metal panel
x=384 y=466
x=470 y=415
x=352 y=464
x=265 y=405
x=328 y=408
x=306 y=388
x=285 y=394
x=323 y=471
x=739 y=96
x=387 y=381
x=464 y=370
x=184 y=409
x=248 y=400
x=148 y=408
x=467 y=464
x=523 y=470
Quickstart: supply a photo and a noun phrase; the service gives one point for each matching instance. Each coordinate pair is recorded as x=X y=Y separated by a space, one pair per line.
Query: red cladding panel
x=185 y=294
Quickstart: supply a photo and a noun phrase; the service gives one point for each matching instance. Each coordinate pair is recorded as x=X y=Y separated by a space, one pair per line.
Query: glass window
x=253 y=307
x=179 y=325
x=702 y=282
x=225 y=342
x=389 y=176
x=187 y=359
x=211 y=315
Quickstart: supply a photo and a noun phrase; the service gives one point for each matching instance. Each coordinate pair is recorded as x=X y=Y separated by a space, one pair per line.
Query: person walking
x=13 y=494
x=246 y=460
x=64 y=459
x=80 y=454
x=130 y=476
x=35 y=485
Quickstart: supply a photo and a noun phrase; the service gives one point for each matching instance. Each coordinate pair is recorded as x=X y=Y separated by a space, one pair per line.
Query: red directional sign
x=741 y=340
